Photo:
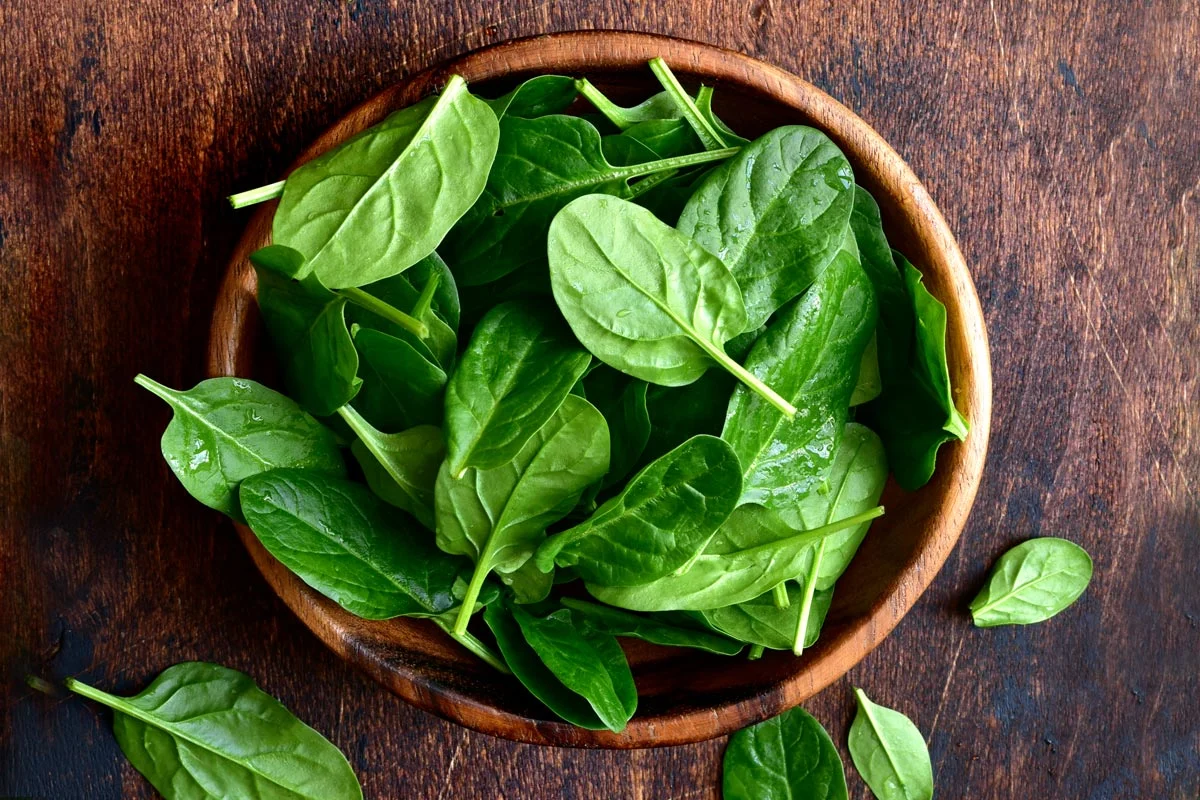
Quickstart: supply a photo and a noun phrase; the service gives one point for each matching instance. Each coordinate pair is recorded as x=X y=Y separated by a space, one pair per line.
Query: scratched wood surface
x=1059 y=139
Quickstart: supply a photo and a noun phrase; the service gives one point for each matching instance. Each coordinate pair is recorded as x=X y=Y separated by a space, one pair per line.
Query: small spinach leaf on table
x=200 y=726
x=810 y=353
x=659 y=522
x=762 y=622
x=226 y=429
x=536 y=97
x=401 y=468
x=497 y=517
x=751 y=553
x=344 y=542
x=420 y=169
x=542 y=165
x=656 y=630
x=775 y=214
x=642 y=297
x=401 y=388
x=578 y=672
x=517 y=369
x=1032 y=582
x=789 y=757
x=307 y=324
x=889 y=752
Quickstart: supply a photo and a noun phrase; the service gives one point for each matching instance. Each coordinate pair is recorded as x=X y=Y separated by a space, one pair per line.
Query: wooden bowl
x=686 y=696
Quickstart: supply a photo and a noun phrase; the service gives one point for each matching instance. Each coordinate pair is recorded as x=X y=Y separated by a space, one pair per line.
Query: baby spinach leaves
x=226 y=429
x=536 y=97
x=401 y=386
x=656 y=629
x=788 y=757
x=775 y=214
x=1032 y=582
x=762 y=622
x=889 y=752
x=202 y=730
x=517 y=370
x=643 y=298
x=400 y=468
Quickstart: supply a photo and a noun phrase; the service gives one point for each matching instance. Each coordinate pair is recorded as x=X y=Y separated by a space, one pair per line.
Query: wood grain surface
x=1059 y=139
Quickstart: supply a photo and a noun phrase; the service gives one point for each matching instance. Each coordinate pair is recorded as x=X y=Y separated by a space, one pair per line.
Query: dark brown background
x=1060 y=140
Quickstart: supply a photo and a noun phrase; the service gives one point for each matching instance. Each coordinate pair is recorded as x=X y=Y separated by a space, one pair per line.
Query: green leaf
x=704 y=103
x=1032 y=582
x=402 y=291
x=579 y=673
x=226 y=429
x=203 y=731
x=536 y=97
x=751 y=553
x=657 y=107
x=869 y=383
x=890 y=753
x=789 y=757
x=401 y=387
x=616 y=622
x=810 y=353
x=542 y=165
x=651 y=140
x=760 y=621
x=307 y=324
x=703 y=126
x=497 y=517
x=420 y=170
x=401 y=468
x=775 y=214
x=660 y=521
x=517 y=369
x=678 y=413
x=348 y=545
x=643 y=298
x=622 y=401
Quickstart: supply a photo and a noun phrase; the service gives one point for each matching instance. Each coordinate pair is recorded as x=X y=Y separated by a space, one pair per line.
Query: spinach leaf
x=578 y=672
x=679 y=412
x=656 y=108
x=498 y=516
x=789 y=757
x=536 y=97
x=651 y=140
x=705 y=129
x=869 y=383
x=622 y=401
x=420 y=170
x=542 y=165
x=751 y=553
x=405 y=290
x=762 y=622
x=890 y=753
x=776 y=215
x=401 y=387
x=226 y=429
x=704 y=103
x=202 y=730
x=517 y=369
x=643 y=298
x=810 y=353
x=1032 y=582
x=307 y=324
x=401 y=468
x=348 y=545
x=659 y=522
x=616 y=622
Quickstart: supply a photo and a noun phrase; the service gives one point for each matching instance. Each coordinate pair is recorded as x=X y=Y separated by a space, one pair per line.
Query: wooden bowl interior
x=685 y=695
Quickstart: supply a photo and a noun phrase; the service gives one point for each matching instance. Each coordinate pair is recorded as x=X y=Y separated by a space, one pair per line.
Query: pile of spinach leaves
x=623 y=352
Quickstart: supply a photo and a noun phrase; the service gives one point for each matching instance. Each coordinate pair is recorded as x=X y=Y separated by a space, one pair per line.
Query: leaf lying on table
x=889 y=752
x=1032 y=582
x=204 y=731
x=788 y=757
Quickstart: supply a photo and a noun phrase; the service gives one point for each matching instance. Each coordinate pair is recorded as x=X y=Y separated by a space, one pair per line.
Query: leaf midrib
x=1018 y=588
x=865 y=704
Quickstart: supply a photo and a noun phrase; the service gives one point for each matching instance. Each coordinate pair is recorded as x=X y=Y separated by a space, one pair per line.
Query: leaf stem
x=390 y=313
x=425 y=300
x=756 y=652
x=707 y=134
x=744 y=375
x=673 y=163
x=259 y=195
x=155 y=388
x=480 y=574
x=472 y=643
x=779 y=592
x=810 y=589
x=613 y=112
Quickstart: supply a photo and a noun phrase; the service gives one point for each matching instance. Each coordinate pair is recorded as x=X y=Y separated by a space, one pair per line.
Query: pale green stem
x=810 y=589
x=468 y=640
x=756 y=652
x=425 y=301
x=472 y=595
x=259 y=195
x=388 y=312
x=613 y=112
x=711 y=137
x=743 y=375
x=155 y=388
x=781 y=596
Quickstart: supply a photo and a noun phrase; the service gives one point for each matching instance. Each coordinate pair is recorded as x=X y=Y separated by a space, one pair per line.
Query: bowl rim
x=577 y=52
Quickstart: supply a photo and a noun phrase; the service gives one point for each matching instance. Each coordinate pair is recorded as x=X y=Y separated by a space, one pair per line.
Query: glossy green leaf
x=889 y=752
x=678 y=413
x=622 y=401
x=651 y=140
x=348 y=545
x=652 y=629
x=542 y=165
x=401 y=468
x=751 y=553
x=762 y=622
x=226 y=429
x=497 y=517
x=775 y=214
x=1032 y=582
x=657 y=107
x=402 y=291
x=517 y=369
x=810 y=354
x=202 y=731
x=401 y=387
x=789 y=757
x=536 y=97
x=578 y=672
x=418 y=171
x=307 y=324
x=869 y=383
x=660 y=521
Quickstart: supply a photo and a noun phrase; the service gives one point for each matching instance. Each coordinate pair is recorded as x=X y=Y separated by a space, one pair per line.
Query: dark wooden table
x=1061 y=141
